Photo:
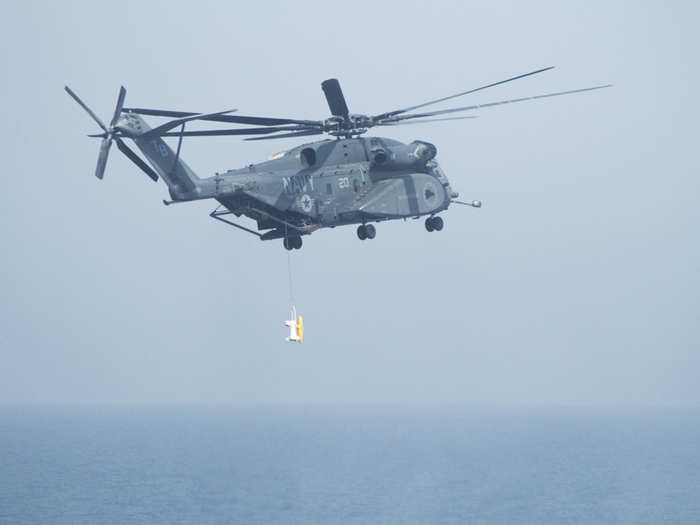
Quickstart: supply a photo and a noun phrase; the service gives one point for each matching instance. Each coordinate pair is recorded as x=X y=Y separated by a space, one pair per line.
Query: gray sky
x=576 y=283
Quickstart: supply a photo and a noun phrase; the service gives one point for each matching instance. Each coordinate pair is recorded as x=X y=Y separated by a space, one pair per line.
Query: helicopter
x=348 y=179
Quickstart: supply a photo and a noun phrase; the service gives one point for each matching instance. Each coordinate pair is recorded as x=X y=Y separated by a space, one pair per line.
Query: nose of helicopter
x=437 y=172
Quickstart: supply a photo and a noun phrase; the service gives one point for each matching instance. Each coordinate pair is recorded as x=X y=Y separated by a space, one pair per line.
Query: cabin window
x=329 y=189
x=356 y=185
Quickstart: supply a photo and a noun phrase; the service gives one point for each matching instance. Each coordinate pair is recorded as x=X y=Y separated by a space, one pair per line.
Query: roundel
x=306 y=203
x=430 y=193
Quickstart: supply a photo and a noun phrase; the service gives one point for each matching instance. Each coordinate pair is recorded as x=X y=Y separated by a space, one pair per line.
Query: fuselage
x=334 y=182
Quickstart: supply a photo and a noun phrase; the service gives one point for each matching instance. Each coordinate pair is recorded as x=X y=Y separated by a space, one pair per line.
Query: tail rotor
x=110 y=135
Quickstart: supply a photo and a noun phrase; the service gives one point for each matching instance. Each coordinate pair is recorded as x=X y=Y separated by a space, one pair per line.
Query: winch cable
x=289 y=270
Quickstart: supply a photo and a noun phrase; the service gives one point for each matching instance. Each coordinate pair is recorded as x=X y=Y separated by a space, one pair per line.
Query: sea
x=348 y=464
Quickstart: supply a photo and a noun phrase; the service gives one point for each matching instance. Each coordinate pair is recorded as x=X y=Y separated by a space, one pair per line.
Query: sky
x=576 y=284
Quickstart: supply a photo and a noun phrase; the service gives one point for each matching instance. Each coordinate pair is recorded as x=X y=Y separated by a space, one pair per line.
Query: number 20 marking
x=343 y=182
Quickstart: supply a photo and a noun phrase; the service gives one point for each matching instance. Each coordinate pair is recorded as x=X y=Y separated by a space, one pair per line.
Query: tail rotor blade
x=126 y=150
x=119 y=106
x=90 y=112
x=102 y=158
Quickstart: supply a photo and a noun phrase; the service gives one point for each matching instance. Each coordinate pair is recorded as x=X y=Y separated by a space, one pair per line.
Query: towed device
x=296 y=327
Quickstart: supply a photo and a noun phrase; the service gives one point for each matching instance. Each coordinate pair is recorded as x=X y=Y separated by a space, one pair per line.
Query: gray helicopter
x=349 y=179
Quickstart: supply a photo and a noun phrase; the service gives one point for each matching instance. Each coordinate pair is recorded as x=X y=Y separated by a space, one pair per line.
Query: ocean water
x=359 y=465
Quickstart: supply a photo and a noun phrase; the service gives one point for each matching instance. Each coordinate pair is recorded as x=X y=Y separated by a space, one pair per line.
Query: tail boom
x=181 y=180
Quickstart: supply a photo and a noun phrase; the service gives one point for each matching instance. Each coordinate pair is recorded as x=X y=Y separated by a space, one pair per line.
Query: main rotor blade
x=287 y=135
x=179 y=121
x=77 y=99
x=335 y=98
x=404 y=110
x=118 y=107
x=234 y=119
x=102 y=157
x=242 y=131
x=401 y=123
x=126 y=150
x=490 y=104
x=161 y=112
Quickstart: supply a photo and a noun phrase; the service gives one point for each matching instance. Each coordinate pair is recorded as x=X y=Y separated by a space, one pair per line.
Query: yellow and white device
x=296 y=327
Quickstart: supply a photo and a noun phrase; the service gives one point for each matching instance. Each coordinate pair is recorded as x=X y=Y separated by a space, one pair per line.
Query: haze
x=575 y=284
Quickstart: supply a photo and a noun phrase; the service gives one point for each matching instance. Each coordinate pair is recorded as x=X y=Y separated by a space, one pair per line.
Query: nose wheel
x=366 y=231
x=434 y=224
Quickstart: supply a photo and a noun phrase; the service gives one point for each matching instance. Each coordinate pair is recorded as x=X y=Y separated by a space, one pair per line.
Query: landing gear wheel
x=287 y=243
x=370 y=231
x=361 y=232
x=296 y=242
x=434 y=224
